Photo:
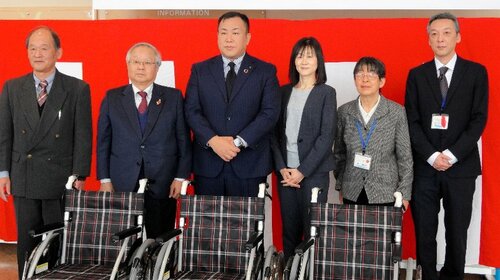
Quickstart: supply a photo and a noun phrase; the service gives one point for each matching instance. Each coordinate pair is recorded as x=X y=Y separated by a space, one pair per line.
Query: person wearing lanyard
x=372 y=147
x=447 y=107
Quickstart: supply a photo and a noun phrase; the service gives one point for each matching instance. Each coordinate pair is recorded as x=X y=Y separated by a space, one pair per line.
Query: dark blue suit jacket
x=251 y=113
x=165 y=147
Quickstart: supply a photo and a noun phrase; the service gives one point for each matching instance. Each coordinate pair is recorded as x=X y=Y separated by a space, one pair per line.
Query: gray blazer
x=316 y=133
x=389 y=147
x=40 y=152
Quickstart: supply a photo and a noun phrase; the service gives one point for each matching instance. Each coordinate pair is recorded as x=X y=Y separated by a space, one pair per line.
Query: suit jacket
x=316 y=132
x=467 y=107
x=164 y=149
x=40 y=152
x=391 y=167
x=251 y=113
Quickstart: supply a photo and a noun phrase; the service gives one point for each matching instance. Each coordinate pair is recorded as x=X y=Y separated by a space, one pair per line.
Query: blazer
x=164 y=149
x=251 y=113
x=40 y=152
x=391 y=167
x=316 y=132
x=467 y=107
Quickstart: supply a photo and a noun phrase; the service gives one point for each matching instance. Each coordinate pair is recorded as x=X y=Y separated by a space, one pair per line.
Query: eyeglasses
x=142 y=63
x=369 y=75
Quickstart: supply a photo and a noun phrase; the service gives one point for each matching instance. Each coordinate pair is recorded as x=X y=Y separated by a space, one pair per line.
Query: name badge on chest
x=440 y=121
x=362 y=161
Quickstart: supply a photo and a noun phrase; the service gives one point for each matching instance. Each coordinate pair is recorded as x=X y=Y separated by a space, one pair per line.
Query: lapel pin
x=245 y=71
x=158 y=102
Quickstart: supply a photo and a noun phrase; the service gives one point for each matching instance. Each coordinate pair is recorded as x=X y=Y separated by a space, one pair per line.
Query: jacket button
x=23 y=131
x=57 y=135
x=228 y=118
x=29 y=156
x=143 y=146
x=299 y=141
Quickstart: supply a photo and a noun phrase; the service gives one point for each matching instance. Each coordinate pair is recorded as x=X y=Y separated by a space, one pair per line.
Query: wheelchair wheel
x=143 y=259
x=295 y=269
x=49 y=258
x=274 y=270
x=258 y=264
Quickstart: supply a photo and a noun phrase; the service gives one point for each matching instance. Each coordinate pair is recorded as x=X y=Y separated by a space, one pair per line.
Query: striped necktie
x=42 y=96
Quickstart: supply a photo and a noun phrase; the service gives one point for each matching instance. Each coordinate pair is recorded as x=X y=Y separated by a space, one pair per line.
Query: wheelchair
x=218 y=237
x=97 y=235
x=349 y=242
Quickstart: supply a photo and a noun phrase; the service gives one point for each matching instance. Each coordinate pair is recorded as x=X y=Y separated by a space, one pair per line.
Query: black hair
x=299 y=47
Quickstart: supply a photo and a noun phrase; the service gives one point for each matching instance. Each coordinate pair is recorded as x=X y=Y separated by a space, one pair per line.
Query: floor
x=8 y=267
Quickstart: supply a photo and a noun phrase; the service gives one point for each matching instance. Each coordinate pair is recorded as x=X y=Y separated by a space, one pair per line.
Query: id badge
x=362 y=161
x=440 y=121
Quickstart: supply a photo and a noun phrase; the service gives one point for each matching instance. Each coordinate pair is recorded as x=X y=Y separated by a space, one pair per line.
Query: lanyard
x=443 y=104
x=364 y=141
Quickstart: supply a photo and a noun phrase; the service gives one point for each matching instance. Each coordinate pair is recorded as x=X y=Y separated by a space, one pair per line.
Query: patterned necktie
x=42 y=96
x=230 y=77
x=443 y=82
x=143 y=106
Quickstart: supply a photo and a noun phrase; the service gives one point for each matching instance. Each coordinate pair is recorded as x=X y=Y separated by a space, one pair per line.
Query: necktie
x=230 y=77
x=443 y=82
x=42 y=96
x=143 y=106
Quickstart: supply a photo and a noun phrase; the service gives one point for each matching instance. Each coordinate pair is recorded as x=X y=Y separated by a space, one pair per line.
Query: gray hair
x=148 y=45
x=443 y=16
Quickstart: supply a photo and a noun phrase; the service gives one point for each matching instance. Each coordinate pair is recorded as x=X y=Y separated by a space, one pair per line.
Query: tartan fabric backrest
x=216 y=231
x=95 y=217
x=354 y=241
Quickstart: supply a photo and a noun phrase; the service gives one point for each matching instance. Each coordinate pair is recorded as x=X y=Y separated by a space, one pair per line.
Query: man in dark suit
x=142 y=134
x=446 y=104
x=232 y=106
x=45 y=136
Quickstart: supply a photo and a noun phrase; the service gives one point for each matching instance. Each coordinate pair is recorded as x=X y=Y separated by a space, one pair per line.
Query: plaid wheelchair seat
x=215 y=234
x=94 y=218
x=354 y=241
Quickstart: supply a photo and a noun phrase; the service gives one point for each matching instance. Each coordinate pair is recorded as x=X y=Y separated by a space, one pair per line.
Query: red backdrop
x=400 y=43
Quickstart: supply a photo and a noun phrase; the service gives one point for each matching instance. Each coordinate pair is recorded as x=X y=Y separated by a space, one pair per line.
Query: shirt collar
x=148 y=90
x=450 y=65
x=237 y=62
x=49 y=80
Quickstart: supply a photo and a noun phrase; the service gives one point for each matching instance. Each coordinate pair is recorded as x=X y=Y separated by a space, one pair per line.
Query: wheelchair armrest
x=126 y=233
x=168 y=235
x=254 y=239
x=46 y=229
x=304 y=246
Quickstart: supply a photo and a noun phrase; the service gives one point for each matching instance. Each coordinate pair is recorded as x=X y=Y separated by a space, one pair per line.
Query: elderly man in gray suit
x=45 y=136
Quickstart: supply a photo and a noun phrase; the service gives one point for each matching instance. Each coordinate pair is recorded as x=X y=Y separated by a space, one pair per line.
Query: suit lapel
x=154 y=109
x=432 y=79
x=456 y=77
x=128 y=103
x=53 y=106
x=27 y=99
x=217 y=70
x=246 y=69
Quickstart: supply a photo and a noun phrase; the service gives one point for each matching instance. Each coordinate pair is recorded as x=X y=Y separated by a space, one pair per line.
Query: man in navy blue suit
x=142 y=134
x=232 y=106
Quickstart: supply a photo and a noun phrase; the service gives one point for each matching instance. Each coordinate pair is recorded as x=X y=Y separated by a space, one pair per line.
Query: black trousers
x=31 y=214
x=159 y=215
x=457 y=195
x=228 y=183
x=295 y=204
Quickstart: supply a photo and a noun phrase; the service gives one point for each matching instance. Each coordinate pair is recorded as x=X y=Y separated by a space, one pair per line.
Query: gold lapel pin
x=158 y=102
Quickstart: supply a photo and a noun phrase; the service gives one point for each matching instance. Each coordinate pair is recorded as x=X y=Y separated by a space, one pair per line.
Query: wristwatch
x=237 y=142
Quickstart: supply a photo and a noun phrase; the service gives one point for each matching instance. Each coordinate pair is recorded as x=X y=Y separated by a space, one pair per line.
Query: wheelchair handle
x=399 y=199
x=71 y=180
x=315 y=192
x=184 y=186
